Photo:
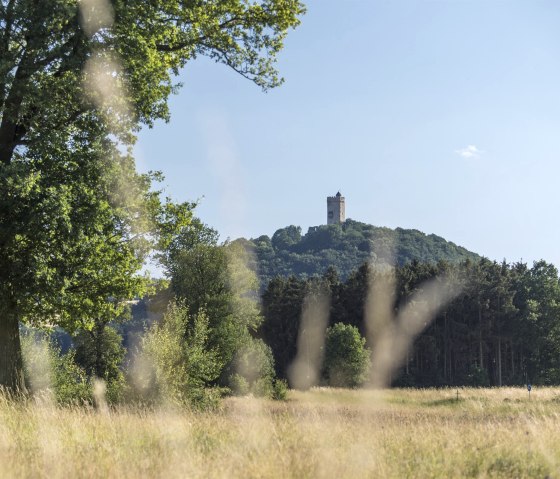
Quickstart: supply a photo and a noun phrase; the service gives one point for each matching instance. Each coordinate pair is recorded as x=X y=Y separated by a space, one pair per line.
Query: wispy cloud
x=471 y=151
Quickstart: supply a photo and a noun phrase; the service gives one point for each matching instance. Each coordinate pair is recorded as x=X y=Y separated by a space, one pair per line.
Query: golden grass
x=320 y=433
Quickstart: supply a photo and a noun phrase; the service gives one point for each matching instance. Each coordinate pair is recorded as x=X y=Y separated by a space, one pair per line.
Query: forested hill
x=346 y=247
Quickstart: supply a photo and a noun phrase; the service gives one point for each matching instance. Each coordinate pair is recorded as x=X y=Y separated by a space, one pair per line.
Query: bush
x=279 y=389
x=254 y=370
x=100 y=353
x=183 y=364
x=49 y=371
x=347 y=360
x=239 y=385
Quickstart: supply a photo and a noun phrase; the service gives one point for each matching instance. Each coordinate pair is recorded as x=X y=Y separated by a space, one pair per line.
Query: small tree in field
x=346 y=356
x=185 y=365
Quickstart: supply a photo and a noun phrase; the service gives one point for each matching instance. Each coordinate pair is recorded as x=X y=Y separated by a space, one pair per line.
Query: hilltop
x=346 y=246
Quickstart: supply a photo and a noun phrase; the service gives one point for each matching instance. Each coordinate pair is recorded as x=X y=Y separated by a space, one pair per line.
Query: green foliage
x=100 y=353
x=280 y=389
x=239 y=385
x=282 y=304
x=286 y=238
x=254 y=370
x=346 y=362
x=198 y=268
x=185 y=366
x=345 y=247
x=217 y=281
x=504 y=321
x=243 y=284
x=76 y=83
x=47 y=369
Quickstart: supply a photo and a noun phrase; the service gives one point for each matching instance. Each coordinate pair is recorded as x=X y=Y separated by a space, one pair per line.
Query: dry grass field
x=320 y=433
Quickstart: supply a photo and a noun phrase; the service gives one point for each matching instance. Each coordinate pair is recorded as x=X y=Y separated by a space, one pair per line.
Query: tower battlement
x=336 y=209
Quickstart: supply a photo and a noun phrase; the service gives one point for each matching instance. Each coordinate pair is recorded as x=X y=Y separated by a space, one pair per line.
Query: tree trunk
x=512 y=362
x=11 y=360
x=481 y=354
x=407 y=360
x=499 y=361
x=445 y=346
x=97 y=336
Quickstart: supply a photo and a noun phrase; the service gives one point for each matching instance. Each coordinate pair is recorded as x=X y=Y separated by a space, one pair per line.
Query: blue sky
x=443 y=116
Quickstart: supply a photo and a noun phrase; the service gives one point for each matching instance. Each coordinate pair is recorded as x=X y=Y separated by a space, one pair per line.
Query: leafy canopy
x=77 y=79
x=346 y=247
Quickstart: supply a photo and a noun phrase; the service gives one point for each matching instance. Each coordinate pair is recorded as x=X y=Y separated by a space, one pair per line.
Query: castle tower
x=336 y=213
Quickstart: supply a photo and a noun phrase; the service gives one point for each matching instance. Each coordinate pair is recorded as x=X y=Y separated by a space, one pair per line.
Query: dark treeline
x=502 y=329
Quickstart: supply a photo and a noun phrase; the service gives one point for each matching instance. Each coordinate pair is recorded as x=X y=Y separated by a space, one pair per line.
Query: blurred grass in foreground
x=319 y=433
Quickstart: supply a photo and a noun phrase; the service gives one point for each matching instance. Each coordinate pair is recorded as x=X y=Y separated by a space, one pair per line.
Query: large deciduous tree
x=77 y=79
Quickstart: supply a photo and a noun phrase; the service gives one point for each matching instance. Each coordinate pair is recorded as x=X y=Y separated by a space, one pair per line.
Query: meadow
x=319 y=433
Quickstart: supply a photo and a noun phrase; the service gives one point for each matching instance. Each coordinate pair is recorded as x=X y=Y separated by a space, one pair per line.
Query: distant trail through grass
x=320 y=433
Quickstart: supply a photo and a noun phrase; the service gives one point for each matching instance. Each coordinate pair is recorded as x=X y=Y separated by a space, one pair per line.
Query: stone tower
x=336 y=213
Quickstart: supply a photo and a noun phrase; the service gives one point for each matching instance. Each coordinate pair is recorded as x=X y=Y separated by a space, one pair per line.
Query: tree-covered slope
x=346 y=247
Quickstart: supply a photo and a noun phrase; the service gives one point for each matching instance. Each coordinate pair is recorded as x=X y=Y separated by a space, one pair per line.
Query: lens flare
x=305 y=371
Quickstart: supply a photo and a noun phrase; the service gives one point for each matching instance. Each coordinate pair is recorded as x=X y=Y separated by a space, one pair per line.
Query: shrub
x=184 y=365
x=100 y=353
x=254 y=370
x=47 y=370
x=346 y=362
x=279 y=389
x=238 y=384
